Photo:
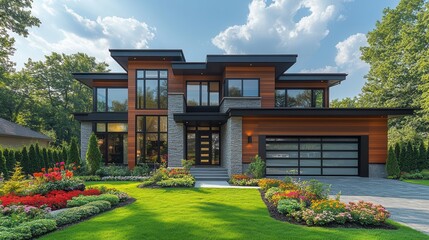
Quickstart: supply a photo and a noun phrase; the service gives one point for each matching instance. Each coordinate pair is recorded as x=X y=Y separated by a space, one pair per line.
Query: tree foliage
x=32 y=160
x=3 y=169
x=25 y=163
x=93 y=155
x=73 y=154
x=392 y=166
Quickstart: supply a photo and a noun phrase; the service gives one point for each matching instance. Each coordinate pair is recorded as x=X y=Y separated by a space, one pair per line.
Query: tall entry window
x=203 y=145
x=113 y=142
x=112 y=99
x=299 y=98
x=151 y=135
x=242 y=87
x=151 y=89
x=202 y=93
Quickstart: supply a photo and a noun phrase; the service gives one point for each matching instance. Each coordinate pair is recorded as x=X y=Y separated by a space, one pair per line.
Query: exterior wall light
x=249 y=139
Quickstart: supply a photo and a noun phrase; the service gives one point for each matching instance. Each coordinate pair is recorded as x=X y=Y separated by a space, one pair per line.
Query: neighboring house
x=15 y=136
x=226 y=110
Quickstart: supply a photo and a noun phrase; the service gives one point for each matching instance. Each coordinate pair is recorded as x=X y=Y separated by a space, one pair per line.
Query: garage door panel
x=282 y=154
x=339 y=163
x=340 y=146
x=310 y=171
x=282 y=162
x=340 y=171
x=338 y=154
x=310 y=162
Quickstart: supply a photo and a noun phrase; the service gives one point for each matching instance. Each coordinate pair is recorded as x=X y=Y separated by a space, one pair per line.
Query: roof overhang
x=320 y=112
x=89 y=78
x=215 y=64
x=101 y=117
x=123 y=56
x=332 y=78
x=210 y=118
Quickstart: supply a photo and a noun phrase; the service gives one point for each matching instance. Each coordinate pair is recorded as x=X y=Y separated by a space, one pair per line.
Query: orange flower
x=43 y=169
x=74 y=168
x=50 y=170
x=38 y=174
x=69 y=174
x=62 y=167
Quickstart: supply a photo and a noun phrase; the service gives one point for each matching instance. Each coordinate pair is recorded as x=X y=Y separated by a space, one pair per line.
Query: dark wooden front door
x=203 y=148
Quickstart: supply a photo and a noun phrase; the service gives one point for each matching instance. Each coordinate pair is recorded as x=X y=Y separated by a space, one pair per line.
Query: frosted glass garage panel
x=274 y=139
x=310 y=146
x=340 y=163
x=309 y=154
x=340 y=171
x=311 y=163
x=282 y=163
x=282 y=146
x=281 y=154
x=339 y=139
x=282 y=171
x=310 y=171
x=340 y=155
x=340 y=146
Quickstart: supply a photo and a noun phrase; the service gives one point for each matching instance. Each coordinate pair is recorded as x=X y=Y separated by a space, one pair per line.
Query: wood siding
x=375 y=128
x=266 y=77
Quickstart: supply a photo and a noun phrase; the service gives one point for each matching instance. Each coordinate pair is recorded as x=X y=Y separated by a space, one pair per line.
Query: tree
x=45 y=163
x=18 y=156
x=55 y=157
x=39 y=158
x=51 y=161
x=16 y=17
x=25 y=163
x=345 y=103
x=93 y=155
x=73 y=154
x=422 y=155
x=64 y=155
x=3 y=169
x=392 y=166
x=32 y=154
x=10 y=159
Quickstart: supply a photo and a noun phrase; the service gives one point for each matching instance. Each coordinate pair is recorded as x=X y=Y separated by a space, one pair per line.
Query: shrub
x=141 y=170
x=89 y=178
x=123 y=178
x=417 y=175
x=239 y=177
x=3 y=169
x=312 y=218
x=288 y=194
x=25 y=161
x=160 y=174
x=267 y=183
x=114 y=171
x=100 y=204
x=121 y=195
x=177 y=182
x=178 y=173
x=334 y=206
x=367 y=213
x=32 y=154
x=6 y=235
x=73 y=153
x=187 y=164
x=392 y=166
x=270 y=193
x=288 y=206
x=257 y=167
x=15 y=183
x=75 y=214
x=40 y=226
x=146 y=183
x=64 y=155
x=9 y=154
x=316 y=188
x=82 y=200
x=93 y=154
x=244 y=182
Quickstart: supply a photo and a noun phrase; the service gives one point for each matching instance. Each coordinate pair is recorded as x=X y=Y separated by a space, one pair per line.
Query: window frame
x=144 y=88
x=200 y=93
x=95 y=97
x=144 y=132
x=313 y=100
x=226 y=87
x=106 y=134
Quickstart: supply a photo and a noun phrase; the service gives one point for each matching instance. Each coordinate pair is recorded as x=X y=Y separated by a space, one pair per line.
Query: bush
x=101 y=204
x=89 y=178
x=123 y=178
x=177 y=182
x=316 y=188
x=392 y=166
x=244 y=182
x=6 y=235
x=367 y=213
x=73 y=215
x=334 y=206
x=141 y=170
x=147 y=182
x=257 y=167
x=267 y=183
x=113 y=171
x=3 y=168
x=187 y=164
x=73 y=153
x=270 y=193
x=288 y=206
x=15 y=183
x=82 y=200
x=93 y=155
x=40 y=226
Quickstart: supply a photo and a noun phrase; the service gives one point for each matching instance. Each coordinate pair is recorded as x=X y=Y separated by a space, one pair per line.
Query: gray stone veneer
x=176 y=142
x=377 y=171
x=239 y=102
x=85 y=133
x=232 y=145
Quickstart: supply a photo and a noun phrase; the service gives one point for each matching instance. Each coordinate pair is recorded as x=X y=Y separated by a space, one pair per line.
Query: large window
x=299 y=98
x=242 y=88
x=151 y=132
x=113 y=142
x=202 y=93
x=152 y=89
x=112 y=99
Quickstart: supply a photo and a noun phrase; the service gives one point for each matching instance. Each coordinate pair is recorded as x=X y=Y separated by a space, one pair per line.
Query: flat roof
x=122 y=56
x=101 y=116
x=332 y=78
x=88 y=78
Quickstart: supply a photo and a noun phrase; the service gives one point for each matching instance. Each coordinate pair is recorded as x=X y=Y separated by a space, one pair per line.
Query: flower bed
x=307 y=202
x=173 y=177
x=243 y=180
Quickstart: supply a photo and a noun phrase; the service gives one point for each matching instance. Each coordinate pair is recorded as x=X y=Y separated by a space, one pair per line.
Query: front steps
x=210 y=173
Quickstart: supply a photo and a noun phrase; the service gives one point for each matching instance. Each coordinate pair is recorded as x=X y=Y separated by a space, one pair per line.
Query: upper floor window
x=202 y=93
x=242 y=88
x=112 y=99
x=151 y=89
x=299 y=98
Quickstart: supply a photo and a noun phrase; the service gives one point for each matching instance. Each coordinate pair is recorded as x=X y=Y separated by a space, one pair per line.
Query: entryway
x=203 y=145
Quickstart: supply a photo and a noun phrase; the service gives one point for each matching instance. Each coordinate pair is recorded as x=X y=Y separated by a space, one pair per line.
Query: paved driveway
x=408 y=203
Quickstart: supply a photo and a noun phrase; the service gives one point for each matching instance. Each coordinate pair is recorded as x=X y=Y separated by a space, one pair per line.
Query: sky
x=326 y=34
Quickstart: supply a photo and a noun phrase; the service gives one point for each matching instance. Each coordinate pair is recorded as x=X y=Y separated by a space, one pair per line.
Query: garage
x=312 y=156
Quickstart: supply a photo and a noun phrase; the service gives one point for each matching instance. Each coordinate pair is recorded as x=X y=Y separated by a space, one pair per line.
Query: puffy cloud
x=83 y=21
x=348 y=51
x=273 y=27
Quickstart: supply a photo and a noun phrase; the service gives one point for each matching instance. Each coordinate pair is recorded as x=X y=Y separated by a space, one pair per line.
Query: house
x=224 y=111
x=13 y=135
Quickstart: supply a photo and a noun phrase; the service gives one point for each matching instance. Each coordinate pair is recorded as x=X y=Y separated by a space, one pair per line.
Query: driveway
x=408 y=203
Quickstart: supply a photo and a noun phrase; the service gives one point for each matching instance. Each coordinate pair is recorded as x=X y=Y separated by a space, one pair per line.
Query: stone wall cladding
x=240 y=102
x=85 y=133
x=232 y=145
x=377 y=171
x=176 y=148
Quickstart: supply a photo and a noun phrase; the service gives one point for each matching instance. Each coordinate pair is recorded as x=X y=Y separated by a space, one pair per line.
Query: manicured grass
x=421 y=182
x=206 y=214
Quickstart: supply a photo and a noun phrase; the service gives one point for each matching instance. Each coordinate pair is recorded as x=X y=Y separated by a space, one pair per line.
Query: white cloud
x=271 y=27
x=84 y=21
x=348 y=51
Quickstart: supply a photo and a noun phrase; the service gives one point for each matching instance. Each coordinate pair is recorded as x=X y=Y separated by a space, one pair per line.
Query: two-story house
x=226 y=110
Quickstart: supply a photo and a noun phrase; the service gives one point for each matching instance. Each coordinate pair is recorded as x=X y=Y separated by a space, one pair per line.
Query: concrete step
x=212 y=179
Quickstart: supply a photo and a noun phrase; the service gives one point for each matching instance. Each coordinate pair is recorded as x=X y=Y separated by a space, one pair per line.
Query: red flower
x=62 y=167
x=43 y=169
x=69 y=174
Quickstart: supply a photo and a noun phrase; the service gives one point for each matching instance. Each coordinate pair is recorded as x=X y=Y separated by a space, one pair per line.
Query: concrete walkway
x=216 y=184
x=408 y=203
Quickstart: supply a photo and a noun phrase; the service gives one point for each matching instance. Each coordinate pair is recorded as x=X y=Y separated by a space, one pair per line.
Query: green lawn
x=205 y=214
x=421 y=182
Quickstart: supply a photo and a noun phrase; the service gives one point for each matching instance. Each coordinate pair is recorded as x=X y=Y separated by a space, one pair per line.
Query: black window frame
x=313 y=99
x=200 y=91
x=144 y=88
x=95 y=99
x=226 y=86
x=105 y=134
x=144 y=139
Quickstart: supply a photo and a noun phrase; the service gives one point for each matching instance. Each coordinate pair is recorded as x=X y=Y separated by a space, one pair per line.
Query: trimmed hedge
x=28 y=230
x=73 y=215
x=82 y=200
x=177 y=182
x=101 y=204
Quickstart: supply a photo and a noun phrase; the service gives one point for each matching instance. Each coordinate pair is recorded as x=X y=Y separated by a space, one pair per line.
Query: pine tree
x=56 y=157
x=403 y=157
x=414 y=158
x=45 y=162
x=64 y=157
x=50 y=158
x=3 y=169
x=93 y=155
x=397 y=151
x=73 y=154
x=18 y=156
x=32 y=160
x=25 y=163
x=392 y=166
x=39 y=158
x=10 y=160
x=422 y=155
x=6 y=157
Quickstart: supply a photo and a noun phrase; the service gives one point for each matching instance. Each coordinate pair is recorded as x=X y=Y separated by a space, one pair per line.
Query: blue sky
x=326 y=34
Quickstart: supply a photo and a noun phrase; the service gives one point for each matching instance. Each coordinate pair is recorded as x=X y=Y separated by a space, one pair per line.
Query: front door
x=203 y=148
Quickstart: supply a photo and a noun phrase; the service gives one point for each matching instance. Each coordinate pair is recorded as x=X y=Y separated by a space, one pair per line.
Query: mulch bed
x=272 y=209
